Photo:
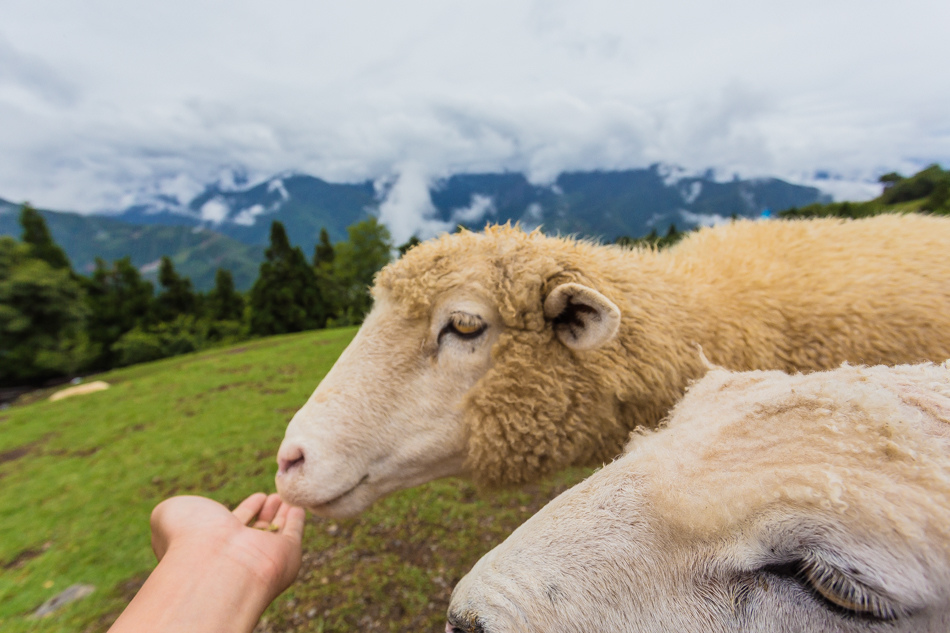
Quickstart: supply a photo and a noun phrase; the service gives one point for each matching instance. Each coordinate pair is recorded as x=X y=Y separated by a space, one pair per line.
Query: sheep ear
x=582 y=317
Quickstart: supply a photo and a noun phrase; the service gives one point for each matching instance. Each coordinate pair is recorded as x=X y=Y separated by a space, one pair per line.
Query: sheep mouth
x=341 y=496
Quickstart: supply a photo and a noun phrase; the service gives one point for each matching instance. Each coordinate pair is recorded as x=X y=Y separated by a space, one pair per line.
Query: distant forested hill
x=609 y=204
x=196 y=251
x=602 y=204
x=303 y=204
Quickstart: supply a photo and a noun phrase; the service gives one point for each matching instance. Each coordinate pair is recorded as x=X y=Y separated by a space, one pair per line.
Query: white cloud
x=232 y=179
x=98 y=99
x=34 y=77
x=478 y=209
x=247 y=217
x=278 y=185
x=703 y=219
x=690 y=194
x=214 y=211
x=842 y=188
x=406 y=207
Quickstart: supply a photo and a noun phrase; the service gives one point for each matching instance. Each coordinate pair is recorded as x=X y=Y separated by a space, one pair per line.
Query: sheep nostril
x=290 y=459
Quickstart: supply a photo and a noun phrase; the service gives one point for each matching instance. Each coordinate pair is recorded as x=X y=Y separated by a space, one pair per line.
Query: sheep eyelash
x=837 y=589
x=845 y=592
x=463 y=325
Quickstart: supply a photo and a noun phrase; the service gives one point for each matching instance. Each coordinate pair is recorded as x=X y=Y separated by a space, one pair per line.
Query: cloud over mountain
x=103 y=104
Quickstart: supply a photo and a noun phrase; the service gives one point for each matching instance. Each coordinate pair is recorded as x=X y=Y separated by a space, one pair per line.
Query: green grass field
x=79 y=477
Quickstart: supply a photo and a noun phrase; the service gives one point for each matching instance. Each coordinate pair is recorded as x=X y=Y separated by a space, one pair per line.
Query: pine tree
x=323 y=252
x=176 y=298
x=119 y=300
x=42 y=318
x=36 y=234
x=224 y=302
x=355 y=264
x=285 y=297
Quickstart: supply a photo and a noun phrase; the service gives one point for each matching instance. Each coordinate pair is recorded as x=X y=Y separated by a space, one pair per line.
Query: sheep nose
x=289 y=457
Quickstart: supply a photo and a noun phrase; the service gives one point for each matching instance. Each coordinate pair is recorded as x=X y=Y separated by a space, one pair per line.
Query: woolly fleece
x=787 y=295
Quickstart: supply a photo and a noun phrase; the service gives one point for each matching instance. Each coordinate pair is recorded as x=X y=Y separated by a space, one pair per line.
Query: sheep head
x=468 y=364
x=769 y=503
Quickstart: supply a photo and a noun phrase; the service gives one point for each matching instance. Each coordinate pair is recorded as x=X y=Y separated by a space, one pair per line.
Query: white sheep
x=506 y=356
x=769 y=502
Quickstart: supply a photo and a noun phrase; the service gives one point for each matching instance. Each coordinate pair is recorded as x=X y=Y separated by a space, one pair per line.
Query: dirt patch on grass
x=26 y=556
x=226 y=387
x=22 y=451
x=239 y=369
x=15 y=454
x=79 y=452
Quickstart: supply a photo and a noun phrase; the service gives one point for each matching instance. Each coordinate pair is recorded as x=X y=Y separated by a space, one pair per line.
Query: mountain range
x=228 y=223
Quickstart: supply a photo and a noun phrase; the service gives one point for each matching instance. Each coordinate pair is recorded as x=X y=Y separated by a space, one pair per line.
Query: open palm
x=262 y=533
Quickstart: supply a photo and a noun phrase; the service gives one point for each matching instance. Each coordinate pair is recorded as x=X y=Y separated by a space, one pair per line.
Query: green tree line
x=56 y=323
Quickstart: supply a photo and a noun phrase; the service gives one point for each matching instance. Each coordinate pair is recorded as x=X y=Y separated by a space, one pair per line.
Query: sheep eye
x=467 y=329
x=464 y=326
x=843 y=591
x=837 y=589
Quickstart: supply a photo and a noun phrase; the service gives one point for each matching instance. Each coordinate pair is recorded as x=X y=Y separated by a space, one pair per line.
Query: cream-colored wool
x=768 y=502
x=804 y=295
x=537 y=391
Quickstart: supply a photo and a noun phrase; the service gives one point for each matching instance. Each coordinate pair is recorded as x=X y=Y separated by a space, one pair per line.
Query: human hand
x=263 y=534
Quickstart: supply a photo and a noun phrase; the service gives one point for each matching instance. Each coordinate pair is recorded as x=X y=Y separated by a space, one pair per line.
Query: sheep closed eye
x=836 y=589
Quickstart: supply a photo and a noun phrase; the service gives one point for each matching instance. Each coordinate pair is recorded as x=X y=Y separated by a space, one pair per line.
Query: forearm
x=196 y=590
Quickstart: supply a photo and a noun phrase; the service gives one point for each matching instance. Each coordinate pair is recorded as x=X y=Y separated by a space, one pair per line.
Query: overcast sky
x=103 y=99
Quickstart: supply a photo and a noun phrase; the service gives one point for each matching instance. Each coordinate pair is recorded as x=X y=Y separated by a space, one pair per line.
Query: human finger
x=278 y=520
x=265 y=517
x=250 y=507
x=271 y=508
x=293 y=523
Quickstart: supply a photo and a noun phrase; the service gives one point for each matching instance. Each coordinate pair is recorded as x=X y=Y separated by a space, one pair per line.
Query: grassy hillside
x=80 y=477
x=927 y=191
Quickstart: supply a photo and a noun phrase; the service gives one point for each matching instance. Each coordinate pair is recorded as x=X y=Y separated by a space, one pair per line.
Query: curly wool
x=843 y=440
x=793 y=296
